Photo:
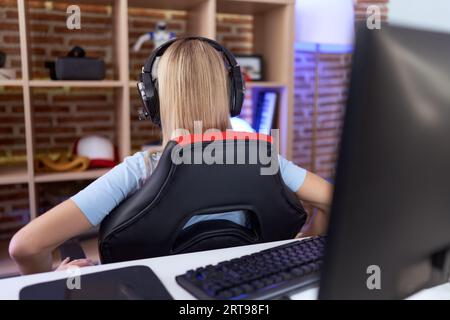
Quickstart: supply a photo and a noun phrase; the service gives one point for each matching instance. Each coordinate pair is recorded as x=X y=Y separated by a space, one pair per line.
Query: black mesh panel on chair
x=150 y=222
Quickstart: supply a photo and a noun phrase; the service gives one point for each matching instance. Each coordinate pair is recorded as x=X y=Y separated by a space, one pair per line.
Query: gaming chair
x=151 y=222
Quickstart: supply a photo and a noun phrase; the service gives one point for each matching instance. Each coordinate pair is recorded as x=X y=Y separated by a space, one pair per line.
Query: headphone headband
x=148 y=90
x=162 y=48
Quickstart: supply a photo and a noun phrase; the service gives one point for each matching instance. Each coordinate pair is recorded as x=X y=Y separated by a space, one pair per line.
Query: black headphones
x=148 y=86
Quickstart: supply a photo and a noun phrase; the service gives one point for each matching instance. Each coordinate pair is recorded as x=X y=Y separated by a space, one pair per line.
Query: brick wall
x=334 y=76
x=333 y=82
x=13 y=209
x=12 y=126
x=62 y=116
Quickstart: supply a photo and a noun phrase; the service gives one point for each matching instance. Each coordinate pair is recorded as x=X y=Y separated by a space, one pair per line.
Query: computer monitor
x=389 y=233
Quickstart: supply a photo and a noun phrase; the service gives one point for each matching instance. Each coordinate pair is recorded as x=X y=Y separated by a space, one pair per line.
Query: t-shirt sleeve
x=293 y=175
x=98 y=199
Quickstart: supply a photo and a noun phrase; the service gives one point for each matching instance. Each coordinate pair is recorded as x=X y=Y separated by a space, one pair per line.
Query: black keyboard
x=267 y=274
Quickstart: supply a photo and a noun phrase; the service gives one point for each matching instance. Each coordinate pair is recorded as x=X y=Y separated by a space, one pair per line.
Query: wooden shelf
x=250 y=6
x=12 y=174
x=248 y=84
x=264 y=84
x=69 y=176
x=97 y=2
x=165 y=4
x=80 y=84
x=11 y=83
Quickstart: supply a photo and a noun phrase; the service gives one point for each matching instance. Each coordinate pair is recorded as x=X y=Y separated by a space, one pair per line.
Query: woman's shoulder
x=292 y=174
x=142 y=163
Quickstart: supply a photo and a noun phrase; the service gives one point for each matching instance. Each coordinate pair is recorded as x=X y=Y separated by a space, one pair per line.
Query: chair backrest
x=197 y=176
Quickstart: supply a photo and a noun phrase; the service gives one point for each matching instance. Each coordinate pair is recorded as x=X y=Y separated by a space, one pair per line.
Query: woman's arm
x=316 y=191
x=312 y=189
x=32 y=246
x=319 y=193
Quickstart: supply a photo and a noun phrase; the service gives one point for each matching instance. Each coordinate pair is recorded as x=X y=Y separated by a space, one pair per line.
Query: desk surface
x=166 y=268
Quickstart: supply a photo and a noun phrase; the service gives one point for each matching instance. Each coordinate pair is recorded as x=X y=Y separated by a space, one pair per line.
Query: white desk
x=166 y=268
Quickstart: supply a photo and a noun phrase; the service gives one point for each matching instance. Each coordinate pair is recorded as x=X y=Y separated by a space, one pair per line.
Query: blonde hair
x=192 y=86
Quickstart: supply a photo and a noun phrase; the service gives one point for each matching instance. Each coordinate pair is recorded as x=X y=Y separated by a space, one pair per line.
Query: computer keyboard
x=267 y=274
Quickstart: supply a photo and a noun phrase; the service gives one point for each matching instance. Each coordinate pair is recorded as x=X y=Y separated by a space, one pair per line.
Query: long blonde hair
x=192 y=86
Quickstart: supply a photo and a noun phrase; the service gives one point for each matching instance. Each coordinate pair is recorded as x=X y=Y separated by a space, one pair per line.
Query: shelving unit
x=273 y=38
x=11 y=83
x=69 y=176
x=77 y=84
x=13 y=174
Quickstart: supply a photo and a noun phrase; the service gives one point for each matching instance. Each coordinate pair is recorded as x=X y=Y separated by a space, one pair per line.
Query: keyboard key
x=225 y=294
x=258 y=284
x=285 y=276
x=247 y=288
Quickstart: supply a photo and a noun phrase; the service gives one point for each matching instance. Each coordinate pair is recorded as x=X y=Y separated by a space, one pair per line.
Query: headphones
x=148 y=85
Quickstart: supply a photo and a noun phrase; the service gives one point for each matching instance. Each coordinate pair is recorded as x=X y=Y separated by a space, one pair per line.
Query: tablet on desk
x=129 y=283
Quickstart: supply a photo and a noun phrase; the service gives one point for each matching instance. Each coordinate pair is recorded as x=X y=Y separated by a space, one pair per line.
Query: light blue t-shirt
x=99 y=198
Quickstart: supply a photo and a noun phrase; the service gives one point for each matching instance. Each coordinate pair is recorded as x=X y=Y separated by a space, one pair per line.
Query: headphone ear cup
x=154 y=108
x=237 y=91
x=232 y=96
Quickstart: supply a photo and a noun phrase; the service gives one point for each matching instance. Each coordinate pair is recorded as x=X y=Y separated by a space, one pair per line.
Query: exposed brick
x=149 y=13
x=87 y=118
x=236 y=39
x=11 y=140
x=5 y=130
x=9 y=26
x=136 y=24
x=85 y=30
x=236 y=20
x=223 y=29
x=14 y=195
x=11 y=97
x=12 y=14
x=244 y=30
x=51 y=109
x=89 y=42
x=11 y=51
x=35 y=28
x=42 y=140
x=93 y=108
x=8 y=3
x=36 y=4
x=84 y=8
x=332 y=90
x=50 y=130
x=88 y=98
x=175 y=15
x=97 y=129
x=11 y=39
x=46 y=39
x=47 y=16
